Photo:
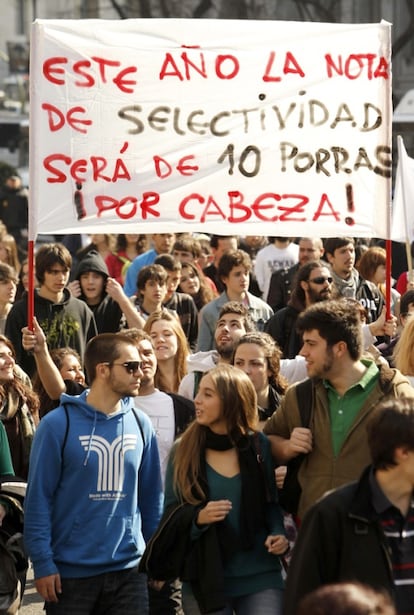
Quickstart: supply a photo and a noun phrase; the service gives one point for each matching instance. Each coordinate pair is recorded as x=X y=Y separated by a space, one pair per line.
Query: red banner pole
x=30 y=292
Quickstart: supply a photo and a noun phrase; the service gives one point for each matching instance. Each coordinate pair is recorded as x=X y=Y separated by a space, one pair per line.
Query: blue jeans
x=111 y=593
x=266 y=602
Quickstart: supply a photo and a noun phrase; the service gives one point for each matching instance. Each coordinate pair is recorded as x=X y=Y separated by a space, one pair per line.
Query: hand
x=280 y=474
x=216 y=510
x=3 y=513
x=33 y=340
x=300 y=441
x=381 y=326
x=49 y=587
x=277 y=545
x=75 y=288
x=115 y=290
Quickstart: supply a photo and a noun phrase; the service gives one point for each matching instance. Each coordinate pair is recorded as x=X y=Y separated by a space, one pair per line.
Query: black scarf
x=253 y=490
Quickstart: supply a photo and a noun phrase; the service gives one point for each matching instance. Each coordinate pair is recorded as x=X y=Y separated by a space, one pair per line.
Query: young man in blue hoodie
x=94 y=492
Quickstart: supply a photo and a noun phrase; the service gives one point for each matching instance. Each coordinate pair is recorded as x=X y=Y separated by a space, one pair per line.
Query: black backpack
x=290 y=494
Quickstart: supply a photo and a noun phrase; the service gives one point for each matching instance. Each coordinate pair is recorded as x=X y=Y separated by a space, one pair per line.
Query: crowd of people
x=209 y=424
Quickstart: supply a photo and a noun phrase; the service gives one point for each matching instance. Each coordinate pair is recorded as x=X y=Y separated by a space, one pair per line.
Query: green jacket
x=321 y=471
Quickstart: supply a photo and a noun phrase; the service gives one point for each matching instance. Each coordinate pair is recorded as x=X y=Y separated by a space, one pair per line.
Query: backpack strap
x=141 y=431
x=305 y=395
x=197 y=378
x=65 y=437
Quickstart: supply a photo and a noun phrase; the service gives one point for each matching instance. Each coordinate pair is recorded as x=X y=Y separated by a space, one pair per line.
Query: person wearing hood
x=103 y=295
x=66 y=321
x=88 y=517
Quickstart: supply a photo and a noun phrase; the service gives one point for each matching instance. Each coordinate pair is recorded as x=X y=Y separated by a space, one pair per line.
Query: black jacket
x=340 y=540
x=171 y=554
x=68 y=323
x=282 y=327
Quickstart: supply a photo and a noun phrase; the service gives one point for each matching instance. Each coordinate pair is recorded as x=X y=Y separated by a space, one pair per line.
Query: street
x=32 y=602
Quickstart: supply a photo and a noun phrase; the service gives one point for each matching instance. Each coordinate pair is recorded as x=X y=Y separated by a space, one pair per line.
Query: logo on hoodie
x=111 y=459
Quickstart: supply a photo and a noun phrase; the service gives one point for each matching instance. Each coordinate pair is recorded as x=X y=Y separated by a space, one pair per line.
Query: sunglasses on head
x=130 y=366
x=321 y=280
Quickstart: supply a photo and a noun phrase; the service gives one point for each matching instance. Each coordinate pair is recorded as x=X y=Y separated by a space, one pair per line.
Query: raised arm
x=115 y=290
x=35 y=342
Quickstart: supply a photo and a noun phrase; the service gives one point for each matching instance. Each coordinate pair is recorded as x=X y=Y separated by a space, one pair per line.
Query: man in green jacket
x=346 y=389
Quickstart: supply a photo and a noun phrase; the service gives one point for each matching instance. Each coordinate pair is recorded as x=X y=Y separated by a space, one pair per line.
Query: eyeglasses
x=321 y=280
x=130 y=366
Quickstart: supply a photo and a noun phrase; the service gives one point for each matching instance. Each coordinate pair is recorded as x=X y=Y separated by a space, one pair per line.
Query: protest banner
x=231 y=127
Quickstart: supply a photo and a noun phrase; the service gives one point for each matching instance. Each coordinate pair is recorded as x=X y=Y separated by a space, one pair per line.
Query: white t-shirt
x=270 y=259
x=160 y=409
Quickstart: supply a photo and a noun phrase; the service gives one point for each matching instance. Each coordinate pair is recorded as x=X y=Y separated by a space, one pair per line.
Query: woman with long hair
x=8 y=251
x=19 y=406
x=193 y=283
x=258 y=355
x=170 y=347
x=222 y=469
x=403 y=355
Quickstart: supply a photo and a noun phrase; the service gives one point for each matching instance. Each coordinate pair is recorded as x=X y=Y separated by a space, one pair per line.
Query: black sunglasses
x=321 y=280
x=130 y=366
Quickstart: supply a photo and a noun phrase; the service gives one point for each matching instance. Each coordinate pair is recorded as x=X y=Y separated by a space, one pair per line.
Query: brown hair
x=24 y=391
x=272 y=353
x=346 y=599
x=239 y=409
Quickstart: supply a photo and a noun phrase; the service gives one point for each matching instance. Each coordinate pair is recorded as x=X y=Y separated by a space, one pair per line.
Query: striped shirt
x=399 y=532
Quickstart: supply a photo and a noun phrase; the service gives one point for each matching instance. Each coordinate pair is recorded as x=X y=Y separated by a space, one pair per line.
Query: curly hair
x=272 y=353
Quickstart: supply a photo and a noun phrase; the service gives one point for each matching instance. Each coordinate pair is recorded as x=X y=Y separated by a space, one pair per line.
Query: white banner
x=231 y=127
x=402 y=228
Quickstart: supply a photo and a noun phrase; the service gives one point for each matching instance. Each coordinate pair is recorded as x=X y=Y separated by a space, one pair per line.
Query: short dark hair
x=50 y=254
x=336 y=321
x=151 y=272
x=235 y=307
x=168 y=262
x=231 y=259
x=333 y=243
x=390 y=426
x=214 y=240
x=103 y=348
x=406 y=299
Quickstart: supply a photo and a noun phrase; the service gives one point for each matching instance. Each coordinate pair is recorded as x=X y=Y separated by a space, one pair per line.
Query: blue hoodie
x=93 y=501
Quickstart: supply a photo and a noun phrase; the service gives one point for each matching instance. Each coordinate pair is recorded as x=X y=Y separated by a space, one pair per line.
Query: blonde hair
x=239 y=409
x=10 y=246
x=403 y=355
x=180 y=360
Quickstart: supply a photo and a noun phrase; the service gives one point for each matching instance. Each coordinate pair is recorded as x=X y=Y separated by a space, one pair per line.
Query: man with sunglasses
x=94 y=493
x=313 y=283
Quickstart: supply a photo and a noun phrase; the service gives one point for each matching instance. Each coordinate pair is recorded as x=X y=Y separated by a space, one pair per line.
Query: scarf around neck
x=253 y=489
